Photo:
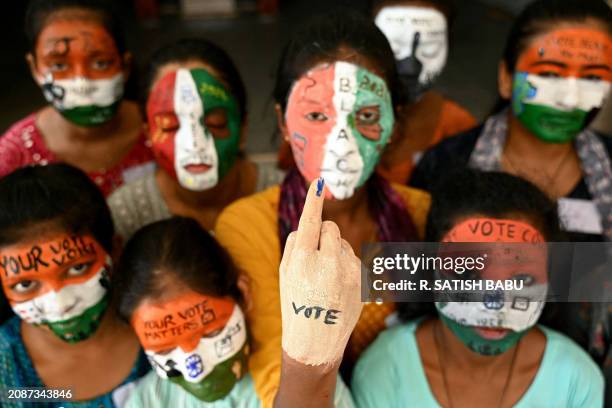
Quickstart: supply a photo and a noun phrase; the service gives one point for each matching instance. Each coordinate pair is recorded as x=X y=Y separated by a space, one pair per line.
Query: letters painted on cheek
x=339 y=117
x=560 y=80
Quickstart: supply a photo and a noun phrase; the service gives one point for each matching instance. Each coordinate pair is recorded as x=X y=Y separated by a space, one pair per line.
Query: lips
x=197 y=168
x=490 y=333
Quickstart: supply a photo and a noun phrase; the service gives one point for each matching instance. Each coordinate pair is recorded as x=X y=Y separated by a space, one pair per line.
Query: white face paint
x=400 y=25
x=196 y=364
x=567 y=93
x=342 y=163
x=70 y=301
x=196 y=161
x=512 y=311
x=82 y=92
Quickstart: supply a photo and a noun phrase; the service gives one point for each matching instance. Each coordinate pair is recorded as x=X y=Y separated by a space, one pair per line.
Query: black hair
x=202 y=50
x=57 y=195
x=544 y=15
x=321 y=39
x=492 y=194
x=39 y=12
x=446 y=7
x=175 y=250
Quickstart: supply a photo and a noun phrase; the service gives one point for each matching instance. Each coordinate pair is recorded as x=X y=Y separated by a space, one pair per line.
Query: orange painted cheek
x=180 y=322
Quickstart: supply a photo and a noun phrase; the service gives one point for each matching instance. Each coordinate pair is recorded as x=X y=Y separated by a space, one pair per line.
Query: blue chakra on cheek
x=494 y=300
x=194 y=365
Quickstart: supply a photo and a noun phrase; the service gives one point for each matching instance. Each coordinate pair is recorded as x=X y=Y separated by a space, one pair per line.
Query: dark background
x=254 y=42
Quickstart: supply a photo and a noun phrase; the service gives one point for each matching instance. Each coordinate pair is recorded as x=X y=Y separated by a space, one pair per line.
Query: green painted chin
x=552 y=125
x=91 y=116
x=477 y=344
x=80 y=327
x=220 y=382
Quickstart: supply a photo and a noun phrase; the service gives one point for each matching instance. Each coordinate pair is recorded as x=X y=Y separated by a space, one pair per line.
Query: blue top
x=17 y=371
x=390 y=374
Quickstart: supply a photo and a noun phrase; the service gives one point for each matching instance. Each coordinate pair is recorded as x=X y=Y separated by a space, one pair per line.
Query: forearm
x=305 y=386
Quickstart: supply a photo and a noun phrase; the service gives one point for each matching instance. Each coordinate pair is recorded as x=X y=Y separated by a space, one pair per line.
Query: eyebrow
x=549 y=62
x=598 y=66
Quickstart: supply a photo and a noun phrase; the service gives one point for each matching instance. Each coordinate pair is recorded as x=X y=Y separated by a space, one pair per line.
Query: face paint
x=195 y=127
x=339 y=118
x=419 y=40
x=561 y=81
x=498 y=310
x=198 y=342
x=80 y=71
x=61 y=283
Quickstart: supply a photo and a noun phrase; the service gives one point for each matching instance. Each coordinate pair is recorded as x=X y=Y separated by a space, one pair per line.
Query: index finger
x=309 y=228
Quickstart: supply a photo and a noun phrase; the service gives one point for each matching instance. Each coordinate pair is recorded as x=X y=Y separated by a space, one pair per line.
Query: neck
x=226 y=190
x=348 y=209
x=463 y=357
x=522 y=143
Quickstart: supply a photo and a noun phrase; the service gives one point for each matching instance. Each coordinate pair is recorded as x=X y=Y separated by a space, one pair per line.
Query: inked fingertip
x=320 y=184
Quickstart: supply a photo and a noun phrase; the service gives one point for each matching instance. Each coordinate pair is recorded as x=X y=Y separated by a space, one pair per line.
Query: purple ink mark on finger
x=320 y=184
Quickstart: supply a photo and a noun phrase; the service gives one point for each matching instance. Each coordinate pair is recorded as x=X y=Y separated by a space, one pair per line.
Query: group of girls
x=151 y=263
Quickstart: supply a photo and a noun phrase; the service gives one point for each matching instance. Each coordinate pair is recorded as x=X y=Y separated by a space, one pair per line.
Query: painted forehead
x=482 y=229
x=585 y=46
x=46 y=256
x=163 y=93
x=414 y=16
x=165 y=324
x=319 y=83
x=61 y=36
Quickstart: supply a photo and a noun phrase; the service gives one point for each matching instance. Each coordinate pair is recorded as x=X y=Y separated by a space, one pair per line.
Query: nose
x=190 y=344
x=571 y=94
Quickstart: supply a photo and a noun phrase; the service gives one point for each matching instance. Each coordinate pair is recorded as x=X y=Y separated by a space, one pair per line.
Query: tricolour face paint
x=80 y=70
x=419 y=39
x=198 y=342
x=61 y=283
x=497 y=319
x=339 y=118
x=561 y=80
x=195 y=127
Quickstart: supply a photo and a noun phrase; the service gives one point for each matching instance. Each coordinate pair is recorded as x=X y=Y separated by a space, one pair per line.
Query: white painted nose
x=571 y=94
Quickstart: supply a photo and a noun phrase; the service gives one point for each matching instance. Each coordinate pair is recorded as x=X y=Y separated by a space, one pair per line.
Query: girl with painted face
x=182 y=295
x=418 y=32
x=448 y=358
x=77 y=57
x=336 y=100
x=56 y=239
x=196 y=111
x=555 y=75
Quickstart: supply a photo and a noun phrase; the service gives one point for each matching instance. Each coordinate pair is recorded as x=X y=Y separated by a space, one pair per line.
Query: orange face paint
x=33 y=270
x=570 y=52
x=77 y=48
x=181 y=322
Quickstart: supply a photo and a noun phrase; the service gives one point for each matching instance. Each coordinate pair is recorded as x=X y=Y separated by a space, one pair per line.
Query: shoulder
x=257 y=209
x=25 y=125
x=12 y=352
x=417 y=203
x=607 y=142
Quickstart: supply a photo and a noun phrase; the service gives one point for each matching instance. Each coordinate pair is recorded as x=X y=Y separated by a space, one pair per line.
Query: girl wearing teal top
x=450 y=359
x=56 y=238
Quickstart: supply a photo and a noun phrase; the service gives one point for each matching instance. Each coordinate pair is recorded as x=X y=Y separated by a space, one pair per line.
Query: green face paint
x=220 y=382
x=85 y=102
x=80 y=327
x=477 y=344
x=555 y=109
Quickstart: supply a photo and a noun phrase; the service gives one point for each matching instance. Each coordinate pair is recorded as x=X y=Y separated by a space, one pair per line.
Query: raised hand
x=320 y=287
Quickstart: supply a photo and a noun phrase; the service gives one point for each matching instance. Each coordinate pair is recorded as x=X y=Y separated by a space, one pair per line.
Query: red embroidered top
x=22 y=145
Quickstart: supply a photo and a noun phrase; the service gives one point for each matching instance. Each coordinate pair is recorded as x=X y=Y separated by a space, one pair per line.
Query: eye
x=58 y=67
x=527 y=280
x=316 y=117
x=25 y=286
x=101 y=65
x=79 y=269
x=216 y=119
x=368 y=116
x=549 y=74
x=592 y=77
x=213 y=333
